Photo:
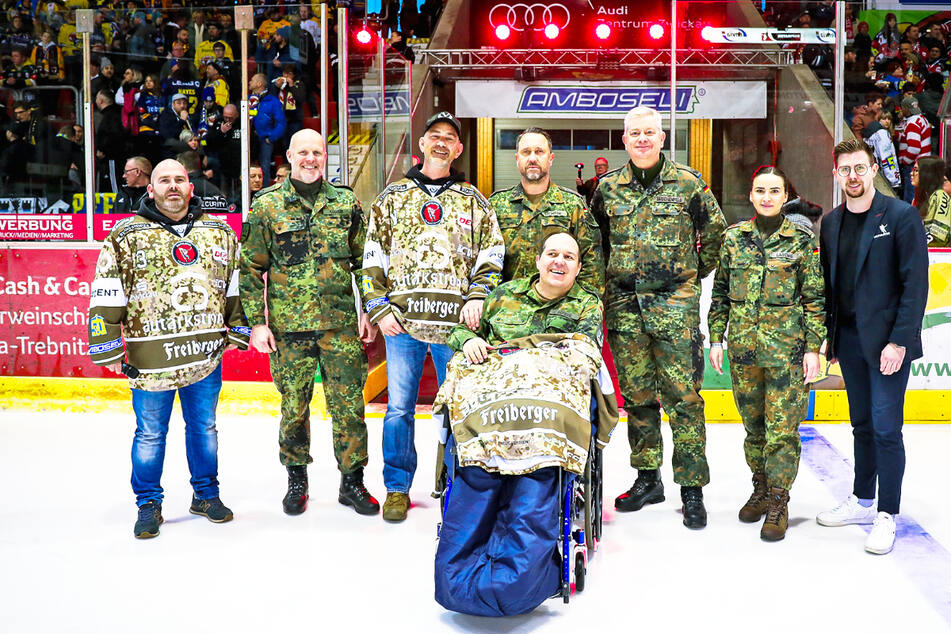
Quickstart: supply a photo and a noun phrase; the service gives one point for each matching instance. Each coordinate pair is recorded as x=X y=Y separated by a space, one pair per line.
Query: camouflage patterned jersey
x=429 y=249
x=771 y=293
x=172 y=296
x=524 y=228
x=658 y=244
x=529 y=406
x=515 y=309
x=308 y=254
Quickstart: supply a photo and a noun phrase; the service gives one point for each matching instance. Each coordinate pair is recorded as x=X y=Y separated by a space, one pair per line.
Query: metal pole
x=244 y=22
x=381 y=52
x=324 y=54
x=343 y=101
x=673 y=80
x=839 y=86
x=89 y=145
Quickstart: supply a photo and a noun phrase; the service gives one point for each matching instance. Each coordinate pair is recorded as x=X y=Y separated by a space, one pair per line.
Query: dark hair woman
x=769 y=290
x=933 y=203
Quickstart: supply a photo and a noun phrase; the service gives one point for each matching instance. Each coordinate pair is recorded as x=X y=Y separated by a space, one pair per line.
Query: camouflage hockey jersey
x=524 y=228
x=170 y=291
x=529 y=406
x=430 y=247
x=771 y=293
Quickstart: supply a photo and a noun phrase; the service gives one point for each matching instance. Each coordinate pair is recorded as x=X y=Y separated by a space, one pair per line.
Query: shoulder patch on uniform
x=500 y=191
x=688 y=169
x=268 y=189
x=613 y=172
x=802 y=223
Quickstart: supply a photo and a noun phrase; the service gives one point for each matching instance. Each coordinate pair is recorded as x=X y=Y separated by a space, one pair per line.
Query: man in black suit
x=875 y=261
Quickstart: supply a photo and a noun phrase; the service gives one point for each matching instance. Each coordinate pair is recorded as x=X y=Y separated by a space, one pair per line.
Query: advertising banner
x=42 y=227
x=608 y=100
x=103 y=223
x=44 y=303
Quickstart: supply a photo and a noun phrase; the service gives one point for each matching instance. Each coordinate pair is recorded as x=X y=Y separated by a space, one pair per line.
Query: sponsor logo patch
x=219 y=255
x=97 y=327
x=465 y=222
x=431 y=213
x=376 y=303
x=185 y=253
x=242 y=330
x=105 y=347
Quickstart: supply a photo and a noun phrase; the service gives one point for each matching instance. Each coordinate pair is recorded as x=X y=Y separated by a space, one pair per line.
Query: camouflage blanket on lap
x=528 y=405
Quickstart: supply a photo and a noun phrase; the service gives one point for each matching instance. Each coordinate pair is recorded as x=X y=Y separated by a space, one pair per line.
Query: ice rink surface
x=69 y=562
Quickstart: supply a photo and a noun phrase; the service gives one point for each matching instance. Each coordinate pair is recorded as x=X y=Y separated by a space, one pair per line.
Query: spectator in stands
x=282 y=172
x=18 y=35
x=106 y=79
x=129 y=89
x=137 y=174
x=142 y=38
x=149 y=105
x=409 y=18
x=398 y=44
x=823 y=14
x=291 y=93
x=211 y=197
x=886 y=42
x=47 y=60
x=930 y=98
x=870 y=111
x=18 y=73
x=893 y=78
x=863 y=41
x=223 y=144
x=933 y=203
x=588 y=187
x=255 y=179
x=910 y=62
x=269 y=123
x=14 y=158
x=215 y=85
x=21 y=119
x=110 y=141
x=428 y=16
x=275 y=20
x=66 y=153
x=181 y=37
x=912 y=35
x=936 y=62
x=880 y=140
x=205 y=53
x=197 y=30
x=209 y=114
x=277 y=53
x=104 y=31
x=173 y=121
x=914 y=141
x=174 y=63
x=228 y=34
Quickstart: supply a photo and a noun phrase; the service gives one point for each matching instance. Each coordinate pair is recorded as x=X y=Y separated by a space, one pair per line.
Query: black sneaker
x=213 y=509
x=150 y=516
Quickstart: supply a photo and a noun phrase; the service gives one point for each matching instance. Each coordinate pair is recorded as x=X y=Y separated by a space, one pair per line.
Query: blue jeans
x=265 y=154
x=876 y=409
x=907 y=189
x=152 y=412
x=404 y=368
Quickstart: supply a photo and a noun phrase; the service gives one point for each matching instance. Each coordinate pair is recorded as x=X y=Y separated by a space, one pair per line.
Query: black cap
x=446 y=117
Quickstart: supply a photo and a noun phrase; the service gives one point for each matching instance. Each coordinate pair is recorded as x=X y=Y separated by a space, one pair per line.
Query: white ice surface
x=69 y=563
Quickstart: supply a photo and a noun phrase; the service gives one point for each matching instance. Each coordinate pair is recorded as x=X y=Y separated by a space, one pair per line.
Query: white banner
x=606 y=100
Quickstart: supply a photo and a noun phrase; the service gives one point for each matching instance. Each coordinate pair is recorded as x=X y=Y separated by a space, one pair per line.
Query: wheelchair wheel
x=590 y=538
x=579 y=572
x=597 y=493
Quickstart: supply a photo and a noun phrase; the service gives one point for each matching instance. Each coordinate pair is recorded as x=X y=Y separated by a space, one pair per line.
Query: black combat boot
x=647 y=489
x=295 y=502
x=695 y=515
x=353 y=493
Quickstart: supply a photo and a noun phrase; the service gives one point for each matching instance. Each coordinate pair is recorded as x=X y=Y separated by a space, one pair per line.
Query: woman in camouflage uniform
x=769 y=289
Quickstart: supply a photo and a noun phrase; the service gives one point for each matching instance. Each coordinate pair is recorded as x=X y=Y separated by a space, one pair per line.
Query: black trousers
x=876 y=409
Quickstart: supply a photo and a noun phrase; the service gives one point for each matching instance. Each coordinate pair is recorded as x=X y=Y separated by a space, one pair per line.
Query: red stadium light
x=602 y=31
x=656 y=31
x=551 y=31
x=503 y=32
x=708 y=33
x=364 y=36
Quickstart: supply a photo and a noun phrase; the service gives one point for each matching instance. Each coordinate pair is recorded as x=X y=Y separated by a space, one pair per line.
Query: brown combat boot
x=754 y=508
x=777 y=515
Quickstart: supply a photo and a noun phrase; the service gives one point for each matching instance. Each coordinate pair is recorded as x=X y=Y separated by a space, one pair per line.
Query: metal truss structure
x=614 y=59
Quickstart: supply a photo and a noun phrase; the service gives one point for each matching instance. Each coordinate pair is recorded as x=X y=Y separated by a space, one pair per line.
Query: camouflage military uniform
x=515 y=309
x=652 y=306
x=308 y=255
x=525 y=227
x=771 y=293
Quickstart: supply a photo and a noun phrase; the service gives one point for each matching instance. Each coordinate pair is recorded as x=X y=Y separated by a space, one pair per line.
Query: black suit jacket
x=891 y=285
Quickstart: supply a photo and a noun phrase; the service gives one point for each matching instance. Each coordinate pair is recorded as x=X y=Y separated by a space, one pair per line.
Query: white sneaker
x=882 y=538
x=848 y=512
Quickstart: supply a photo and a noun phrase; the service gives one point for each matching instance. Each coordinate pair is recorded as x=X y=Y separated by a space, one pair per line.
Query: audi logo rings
x=536 y=16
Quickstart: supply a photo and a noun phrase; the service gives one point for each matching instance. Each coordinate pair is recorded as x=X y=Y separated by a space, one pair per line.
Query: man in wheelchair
x=518 y=401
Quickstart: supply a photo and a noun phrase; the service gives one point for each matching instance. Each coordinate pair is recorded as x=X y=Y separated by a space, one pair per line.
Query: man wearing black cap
x=433 y=252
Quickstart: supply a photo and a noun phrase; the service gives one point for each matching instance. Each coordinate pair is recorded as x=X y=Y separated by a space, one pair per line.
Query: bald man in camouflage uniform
x=653 y=215
x=307 y=236
x=537 y=208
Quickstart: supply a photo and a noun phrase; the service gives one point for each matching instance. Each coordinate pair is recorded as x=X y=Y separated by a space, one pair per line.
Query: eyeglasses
x=845 y=170
x=131 y=169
